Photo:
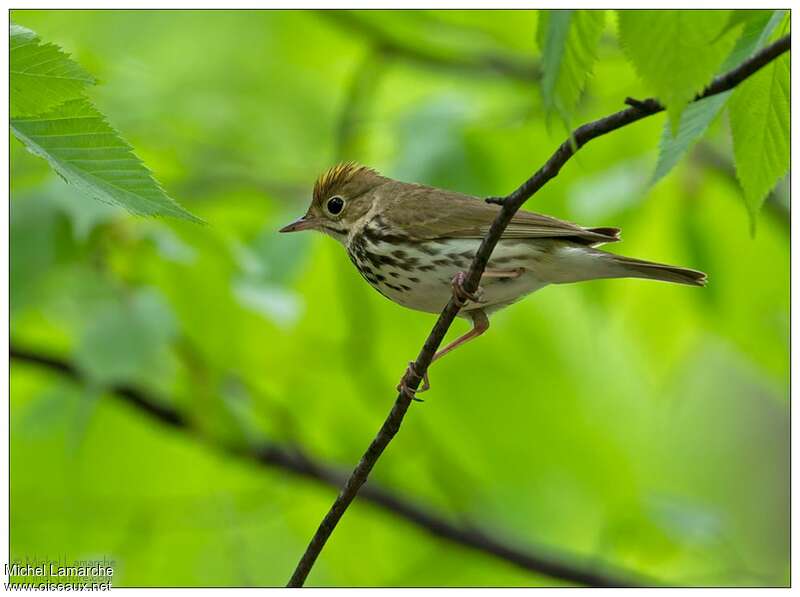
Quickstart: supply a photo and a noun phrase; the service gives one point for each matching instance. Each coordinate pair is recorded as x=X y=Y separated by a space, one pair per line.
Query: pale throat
x=360 y=224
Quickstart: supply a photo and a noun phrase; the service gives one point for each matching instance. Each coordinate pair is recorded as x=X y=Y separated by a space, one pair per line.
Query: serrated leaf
x=758 y=28
x=698 y=116
x=42 y=76
x=695 y=121
x=673 y=52
x=745 y=16
x=759 y=117
x=85 y=151
x=568 y=41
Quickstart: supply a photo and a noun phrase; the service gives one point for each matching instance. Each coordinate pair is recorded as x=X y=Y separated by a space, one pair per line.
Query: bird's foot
x=411 y=373
x=495 y=200
x=460 y=295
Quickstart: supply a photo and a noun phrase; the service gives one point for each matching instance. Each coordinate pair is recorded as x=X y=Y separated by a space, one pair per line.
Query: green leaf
x=745 y=16
x=42 y=76
x=694 y=122
x=675 y=52
x=81 y=147
x=698 y=116
x=568 y=41
x=757 y=30
x=759 y=116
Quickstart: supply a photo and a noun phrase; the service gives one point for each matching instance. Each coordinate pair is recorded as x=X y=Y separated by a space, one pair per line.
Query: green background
x=621 y=423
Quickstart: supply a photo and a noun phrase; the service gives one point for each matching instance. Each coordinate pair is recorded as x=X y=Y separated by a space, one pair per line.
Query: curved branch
x=510 y=204
x=294 y=460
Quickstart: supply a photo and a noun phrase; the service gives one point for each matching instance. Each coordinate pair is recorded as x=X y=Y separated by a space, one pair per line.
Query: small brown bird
x=413 y=244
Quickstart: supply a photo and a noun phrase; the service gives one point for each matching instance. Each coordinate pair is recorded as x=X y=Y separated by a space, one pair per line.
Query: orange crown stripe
x=339 y=175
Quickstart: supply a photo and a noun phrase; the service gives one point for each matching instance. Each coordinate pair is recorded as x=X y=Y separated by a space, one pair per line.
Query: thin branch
x=510 y=204
x=294 y=460
x=505 y=66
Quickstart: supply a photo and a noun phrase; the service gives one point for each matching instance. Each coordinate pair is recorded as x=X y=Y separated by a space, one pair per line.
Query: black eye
x=335 y=205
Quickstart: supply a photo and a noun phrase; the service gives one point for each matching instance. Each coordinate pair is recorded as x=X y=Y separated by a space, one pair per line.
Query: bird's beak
x=303 y=223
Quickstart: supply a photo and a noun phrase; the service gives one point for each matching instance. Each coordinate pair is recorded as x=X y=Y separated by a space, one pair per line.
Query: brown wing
x=428 y=213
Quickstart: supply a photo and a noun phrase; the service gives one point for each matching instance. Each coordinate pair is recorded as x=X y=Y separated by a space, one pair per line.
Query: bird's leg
x=480 y=323
x=462 y=296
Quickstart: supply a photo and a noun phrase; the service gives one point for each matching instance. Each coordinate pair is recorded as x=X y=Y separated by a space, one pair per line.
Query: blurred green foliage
x=623 y=421
x=52 y=117
x=676 y=52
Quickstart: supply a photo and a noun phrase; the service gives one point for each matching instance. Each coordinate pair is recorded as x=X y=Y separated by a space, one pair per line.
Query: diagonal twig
x=510 y=204
x=294 y=460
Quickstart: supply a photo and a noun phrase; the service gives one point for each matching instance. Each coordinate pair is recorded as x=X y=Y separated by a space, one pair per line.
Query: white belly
x=419 y=277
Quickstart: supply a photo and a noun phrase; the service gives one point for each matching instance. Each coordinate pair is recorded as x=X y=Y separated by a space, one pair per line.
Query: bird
x=413 y=244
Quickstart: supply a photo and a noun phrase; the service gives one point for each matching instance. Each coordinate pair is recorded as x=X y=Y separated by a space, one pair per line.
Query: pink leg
x=480 y=323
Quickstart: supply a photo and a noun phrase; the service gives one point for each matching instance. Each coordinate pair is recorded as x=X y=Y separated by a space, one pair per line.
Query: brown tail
x=637 y=268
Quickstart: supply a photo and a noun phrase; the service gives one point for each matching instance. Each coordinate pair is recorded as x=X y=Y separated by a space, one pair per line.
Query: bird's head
x=341 y=197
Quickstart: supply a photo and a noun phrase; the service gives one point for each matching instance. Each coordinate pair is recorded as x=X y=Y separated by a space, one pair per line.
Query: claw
x=404 y=388
x=460 y=295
